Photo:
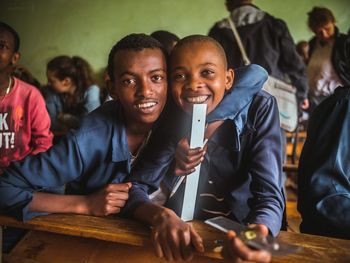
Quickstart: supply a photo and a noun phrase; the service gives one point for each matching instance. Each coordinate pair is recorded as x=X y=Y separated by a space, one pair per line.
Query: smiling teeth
x=146 y=105
x=199 y=99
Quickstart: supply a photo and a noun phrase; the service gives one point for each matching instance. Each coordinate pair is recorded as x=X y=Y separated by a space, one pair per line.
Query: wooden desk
x=110 y=238
x=290 y=168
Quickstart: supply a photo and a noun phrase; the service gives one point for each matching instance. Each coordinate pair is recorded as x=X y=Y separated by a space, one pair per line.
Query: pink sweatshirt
x=24 y=124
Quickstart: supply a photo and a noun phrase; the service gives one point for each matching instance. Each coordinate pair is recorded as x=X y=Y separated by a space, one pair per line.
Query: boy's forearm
x=55 y=203
x=152 y=214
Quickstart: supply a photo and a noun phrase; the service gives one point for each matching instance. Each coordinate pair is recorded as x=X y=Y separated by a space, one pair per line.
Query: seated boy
x=240 y=175
x=94 y=160
x=324 y=169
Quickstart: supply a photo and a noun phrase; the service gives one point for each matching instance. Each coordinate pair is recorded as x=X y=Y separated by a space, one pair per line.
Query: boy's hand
x=241 y=252
x=173 y=238
x=187 y=159
x=108 y=200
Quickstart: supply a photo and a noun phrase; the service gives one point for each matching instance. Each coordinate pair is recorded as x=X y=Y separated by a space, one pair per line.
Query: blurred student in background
x=329 y=64
x=72 y=92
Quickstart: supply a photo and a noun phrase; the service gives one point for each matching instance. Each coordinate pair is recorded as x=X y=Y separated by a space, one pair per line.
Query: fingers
x=161 y=245
x=243 y=252
x=174 y=245
x=115 y=197
x=156 y=244
x=187 y=159
x=118 y=187
x=185 y=245
x=261 y=228
x=167 y=251
x=175 y=242
x=196 y=240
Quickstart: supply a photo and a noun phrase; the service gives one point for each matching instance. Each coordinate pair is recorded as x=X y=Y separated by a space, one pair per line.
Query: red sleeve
x=41 y=136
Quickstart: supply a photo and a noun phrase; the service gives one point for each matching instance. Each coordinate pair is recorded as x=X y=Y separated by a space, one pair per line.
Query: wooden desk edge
x=114 y=229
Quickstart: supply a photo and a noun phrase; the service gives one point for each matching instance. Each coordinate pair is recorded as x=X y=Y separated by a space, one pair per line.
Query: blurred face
x=140 y=84
x=325 y=32
x=60 y=86
x=199 y=75
x=8 y=56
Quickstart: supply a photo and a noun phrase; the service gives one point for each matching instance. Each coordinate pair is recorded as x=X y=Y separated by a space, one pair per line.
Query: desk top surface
x=133 y=233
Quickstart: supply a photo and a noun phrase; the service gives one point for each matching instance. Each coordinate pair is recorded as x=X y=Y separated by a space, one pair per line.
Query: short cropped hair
x=13 y=32
x=320 y=16
x=201 y=38
x=136 y=42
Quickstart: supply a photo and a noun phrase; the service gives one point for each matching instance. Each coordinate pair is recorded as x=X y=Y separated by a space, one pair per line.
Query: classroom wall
x=89 y=28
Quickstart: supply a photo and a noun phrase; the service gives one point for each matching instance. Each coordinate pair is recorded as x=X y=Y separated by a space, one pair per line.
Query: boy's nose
x=194 y=84
x=323 y=34
x=144 y=88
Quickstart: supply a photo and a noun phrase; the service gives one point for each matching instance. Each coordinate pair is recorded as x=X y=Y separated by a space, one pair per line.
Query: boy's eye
x=128 y=82
x=3 y=46
x=179 y=76
x=157 y=78
x=207 y=72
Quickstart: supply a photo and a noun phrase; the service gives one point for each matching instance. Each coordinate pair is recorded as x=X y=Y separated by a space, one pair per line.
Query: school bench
x=77 y=238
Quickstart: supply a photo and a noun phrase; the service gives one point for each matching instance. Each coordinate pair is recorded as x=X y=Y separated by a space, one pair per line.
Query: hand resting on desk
x=105 y=201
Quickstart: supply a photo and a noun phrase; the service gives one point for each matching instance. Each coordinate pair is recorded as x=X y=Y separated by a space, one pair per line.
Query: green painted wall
x=89 y=28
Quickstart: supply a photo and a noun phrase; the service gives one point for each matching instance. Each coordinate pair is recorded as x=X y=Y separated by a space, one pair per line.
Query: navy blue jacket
x=242 y=167
x=324 y=169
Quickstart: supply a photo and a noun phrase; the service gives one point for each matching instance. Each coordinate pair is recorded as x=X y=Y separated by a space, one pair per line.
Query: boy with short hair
x=98 y=156
x=241 y=169
x=24 y=121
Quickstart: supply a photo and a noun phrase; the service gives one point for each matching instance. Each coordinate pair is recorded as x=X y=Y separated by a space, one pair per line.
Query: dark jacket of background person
x=340 y=55
x=268 y=43
x=324 y=169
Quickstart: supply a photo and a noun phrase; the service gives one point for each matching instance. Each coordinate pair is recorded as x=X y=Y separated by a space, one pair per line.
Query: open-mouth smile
x=197 y=99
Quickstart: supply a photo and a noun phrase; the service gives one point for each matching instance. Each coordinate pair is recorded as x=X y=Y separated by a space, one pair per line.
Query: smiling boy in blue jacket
x=241 y=167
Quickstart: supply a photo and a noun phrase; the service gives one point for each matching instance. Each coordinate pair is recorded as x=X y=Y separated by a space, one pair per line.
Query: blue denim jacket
x=84 y=161
x=324 y=169
x=243 y=161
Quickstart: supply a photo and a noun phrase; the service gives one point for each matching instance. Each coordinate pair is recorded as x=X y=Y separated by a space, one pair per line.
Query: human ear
x=15 y=58
x=112 y=90
x=230 y=75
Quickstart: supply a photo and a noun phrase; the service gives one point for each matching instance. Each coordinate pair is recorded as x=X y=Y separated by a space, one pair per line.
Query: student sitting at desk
x=94 y=160
x=241 y=169
x=71 y=92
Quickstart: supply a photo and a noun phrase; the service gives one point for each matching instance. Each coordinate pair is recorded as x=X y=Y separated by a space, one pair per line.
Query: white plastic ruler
x=197 y=138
